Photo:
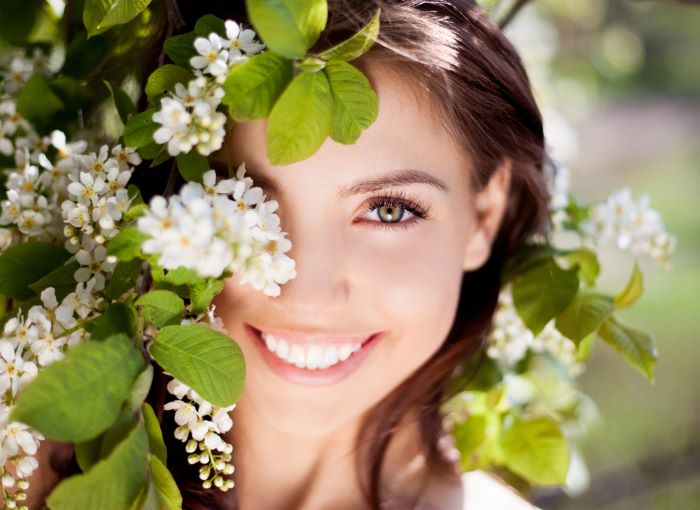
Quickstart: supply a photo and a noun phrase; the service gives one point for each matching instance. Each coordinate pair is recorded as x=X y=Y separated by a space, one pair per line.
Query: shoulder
x=483 y=491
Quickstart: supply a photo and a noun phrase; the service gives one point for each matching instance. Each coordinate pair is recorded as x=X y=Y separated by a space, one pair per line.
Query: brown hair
x=463 y=61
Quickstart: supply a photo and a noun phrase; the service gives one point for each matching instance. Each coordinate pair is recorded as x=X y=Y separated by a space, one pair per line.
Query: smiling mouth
x=312 y=354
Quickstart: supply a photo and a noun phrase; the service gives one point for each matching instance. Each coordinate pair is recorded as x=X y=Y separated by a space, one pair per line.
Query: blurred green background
x=619 y=81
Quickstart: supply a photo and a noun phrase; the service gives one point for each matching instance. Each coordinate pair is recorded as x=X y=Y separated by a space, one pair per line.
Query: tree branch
x=508 y=17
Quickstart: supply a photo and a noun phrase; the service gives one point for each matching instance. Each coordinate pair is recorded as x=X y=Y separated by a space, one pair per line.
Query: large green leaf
x=632 y=290
x=356 y=45
x=155 y=435
x=180 y=48
x=468 y=436
x=139 y=129
x=99 y=15
x=160 y=492
x=587 y=261
x=113 y=483
x=161 y=307
x=253 y=86
x=206 y=360
x=356 y=102
x=125 y=106
x=637 y=347
x=192 y=165
x=61 y=279
x=535 y=449
x=123 y=278
x=126 y=245
x=584 y=314
x=202 y=293
x=78 y=397
x=26 y=263
x=118 y=318
x=301 y=119
x=165 y=78
x=208 y=24
x=542 y=291
x=37 y=101
x=288 y=27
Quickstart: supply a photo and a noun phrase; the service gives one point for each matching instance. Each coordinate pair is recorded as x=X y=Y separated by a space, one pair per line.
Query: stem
x=508 y=17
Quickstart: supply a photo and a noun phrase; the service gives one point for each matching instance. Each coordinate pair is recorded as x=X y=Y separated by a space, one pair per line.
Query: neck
x=276 y=469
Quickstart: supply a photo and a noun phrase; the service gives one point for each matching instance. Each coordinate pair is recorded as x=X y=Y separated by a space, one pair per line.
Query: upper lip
x=314 y=336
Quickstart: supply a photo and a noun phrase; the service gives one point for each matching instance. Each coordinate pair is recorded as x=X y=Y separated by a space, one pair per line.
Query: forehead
x=408 y=133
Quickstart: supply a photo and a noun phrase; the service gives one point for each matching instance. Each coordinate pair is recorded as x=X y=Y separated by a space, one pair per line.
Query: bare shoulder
x=475 y=490
x=483 y=491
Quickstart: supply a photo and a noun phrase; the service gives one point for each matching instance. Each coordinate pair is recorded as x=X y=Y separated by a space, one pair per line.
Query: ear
x=491 y=203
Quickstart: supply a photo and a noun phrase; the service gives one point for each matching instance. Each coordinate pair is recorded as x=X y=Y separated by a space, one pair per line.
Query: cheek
x=416 y=278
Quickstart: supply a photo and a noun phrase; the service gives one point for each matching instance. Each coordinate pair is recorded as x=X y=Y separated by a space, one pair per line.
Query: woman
x=399 y=241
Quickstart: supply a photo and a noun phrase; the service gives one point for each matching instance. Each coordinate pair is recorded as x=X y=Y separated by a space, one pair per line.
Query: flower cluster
x=20 y=68
x=27 y=344
x=201 y=424
x=215 y=226
x=188 y=117
x=630 y=225
x=510 y=338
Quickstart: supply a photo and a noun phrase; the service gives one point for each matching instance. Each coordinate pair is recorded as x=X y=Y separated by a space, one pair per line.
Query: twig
x=508 y=17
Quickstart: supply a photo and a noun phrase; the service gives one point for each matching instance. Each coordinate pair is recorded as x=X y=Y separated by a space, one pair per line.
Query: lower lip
x=317 y=376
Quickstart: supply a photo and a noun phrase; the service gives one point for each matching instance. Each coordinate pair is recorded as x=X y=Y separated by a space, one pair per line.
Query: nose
x=321 y=283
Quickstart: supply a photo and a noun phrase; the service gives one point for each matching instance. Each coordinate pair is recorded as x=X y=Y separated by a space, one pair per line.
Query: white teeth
x=313 y=357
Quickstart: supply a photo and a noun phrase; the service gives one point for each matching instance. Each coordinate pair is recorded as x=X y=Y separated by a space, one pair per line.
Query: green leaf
x=78 y=397
x=167 y=491
x=178 y=276
x=301 y=119
x=208 y=24
x=180 y=48
x=535 y=449
x=118 y=318
x=468 y=436
x=88 y=453
x=527 y=256
x=588 y=264
x=165 y=78
x=23 y=264
x=356 y=45
x=584 y=314
x=99 y=15
x=585 y=348
x=632 y=290
x=253 y=87
x=155 y=436
x=161 y=307
x=139 y=129
x=36 y=100
x=637 y=347
x=288 y=27
x=112 y=483
x=60 y=279
x=126 y=245
x=542 y=291
x=192 y=165
x=206 y=360
x=356 y=102
x=123 y=277
x=124 y=104
x=202 y=293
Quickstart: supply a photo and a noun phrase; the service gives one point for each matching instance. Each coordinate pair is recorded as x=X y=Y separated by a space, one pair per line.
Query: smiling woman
x=399 y=240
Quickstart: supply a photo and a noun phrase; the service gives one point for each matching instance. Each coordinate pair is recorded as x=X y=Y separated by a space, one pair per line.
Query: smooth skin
x=293 y=444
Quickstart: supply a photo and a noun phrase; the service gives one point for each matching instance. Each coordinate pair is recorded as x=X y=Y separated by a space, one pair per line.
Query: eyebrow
x=394 y=179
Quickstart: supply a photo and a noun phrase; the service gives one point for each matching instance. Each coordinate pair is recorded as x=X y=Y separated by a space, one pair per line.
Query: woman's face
x=357 y=272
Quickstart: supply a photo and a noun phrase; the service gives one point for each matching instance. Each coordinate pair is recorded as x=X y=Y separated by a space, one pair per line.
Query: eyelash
x=419 y=210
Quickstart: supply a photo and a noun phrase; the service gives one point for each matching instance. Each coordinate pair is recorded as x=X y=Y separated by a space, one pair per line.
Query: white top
x=483 y=491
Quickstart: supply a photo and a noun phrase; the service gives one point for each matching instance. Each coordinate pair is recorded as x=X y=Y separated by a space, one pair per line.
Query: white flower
x=126 y=156
x=94 y=263
x=212 y=56
x=239 y=41
x=98 y=164
x=58 y=140
x=174 y=120
x=88 y=189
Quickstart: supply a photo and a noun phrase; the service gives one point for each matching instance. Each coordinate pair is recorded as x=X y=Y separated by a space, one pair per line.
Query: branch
x=508 y=17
